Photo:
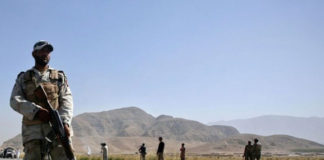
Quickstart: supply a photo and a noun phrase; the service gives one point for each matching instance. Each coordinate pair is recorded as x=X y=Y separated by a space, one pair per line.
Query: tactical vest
x=51 y=88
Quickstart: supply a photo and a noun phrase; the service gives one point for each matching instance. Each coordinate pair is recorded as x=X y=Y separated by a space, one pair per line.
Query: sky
x=200 y=60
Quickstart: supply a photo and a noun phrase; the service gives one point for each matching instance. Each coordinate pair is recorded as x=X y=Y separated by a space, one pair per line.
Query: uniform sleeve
x=66 y=102
x=19 y=103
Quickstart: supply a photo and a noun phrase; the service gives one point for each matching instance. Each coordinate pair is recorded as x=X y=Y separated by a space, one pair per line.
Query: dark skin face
x=42 y=58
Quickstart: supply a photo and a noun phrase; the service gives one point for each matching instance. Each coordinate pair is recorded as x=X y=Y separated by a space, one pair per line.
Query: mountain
x=134 y=122
x=123 y=122
x=275 y=144
x=308 y=128
x=187 y=130
x=125 y=129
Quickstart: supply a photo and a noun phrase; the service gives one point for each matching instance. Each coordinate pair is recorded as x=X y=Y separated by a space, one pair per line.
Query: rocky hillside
x=124 y=122
x=134 y=122
x=311 y=128
x=280 y=144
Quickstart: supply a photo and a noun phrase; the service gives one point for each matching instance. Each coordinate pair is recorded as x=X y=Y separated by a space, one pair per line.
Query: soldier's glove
x=67 y=129
x=43 y=115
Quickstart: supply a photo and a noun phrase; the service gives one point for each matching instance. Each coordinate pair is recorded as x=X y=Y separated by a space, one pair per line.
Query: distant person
x=18 y=154
x=248 y=151
x=142 y=151
x=160 y=150
x=182 y=152
x=5 y=152
x=256 y=150
x=89 y=151
x=104 y=151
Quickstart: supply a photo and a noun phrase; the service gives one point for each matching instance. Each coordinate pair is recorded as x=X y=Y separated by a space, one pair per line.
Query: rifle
x=55 y=122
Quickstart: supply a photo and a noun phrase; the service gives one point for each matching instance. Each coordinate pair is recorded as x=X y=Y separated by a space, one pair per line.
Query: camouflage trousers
x=248 y=157
x=105 y=156
x=256 y=157
x=36 y=150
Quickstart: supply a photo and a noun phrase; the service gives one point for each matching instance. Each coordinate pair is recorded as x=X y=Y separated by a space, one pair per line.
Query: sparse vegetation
x=152 y=157
x=319 y=150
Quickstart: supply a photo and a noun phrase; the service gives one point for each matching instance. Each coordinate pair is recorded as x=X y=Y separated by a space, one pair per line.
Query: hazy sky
x=201 y=60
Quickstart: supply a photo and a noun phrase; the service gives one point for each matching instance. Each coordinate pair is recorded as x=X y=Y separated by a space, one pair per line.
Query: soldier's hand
x=43 y=115
x=67 y=130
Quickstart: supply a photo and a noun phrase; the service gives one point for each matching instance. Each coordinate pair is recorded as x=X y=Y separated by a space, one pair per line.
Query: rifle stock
x=56 y=122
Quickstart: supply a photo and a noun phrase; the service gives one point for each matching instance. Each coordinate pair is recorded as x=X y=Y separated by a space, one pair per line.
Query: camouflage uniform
x=24 y=102
x=248 y=152
x=256 y=152
x=104 y=150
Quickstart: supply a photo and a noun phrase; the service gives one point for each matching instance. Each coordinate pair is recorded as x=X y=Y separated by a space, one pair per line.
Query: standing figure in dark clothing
x=256 y=150
x=142 y=151
x=248 y=151
x=182 y=152
x=160 y=150
x=104 y=151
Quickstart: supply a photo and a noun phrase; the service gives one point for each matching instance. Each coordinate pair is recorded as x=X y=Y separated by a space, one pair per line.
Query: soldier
x=182 y=152
x=104 y=151
x=142 y=151
x=248 y=151
x=160 y=150
x=35 y=122
x=256 y=150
